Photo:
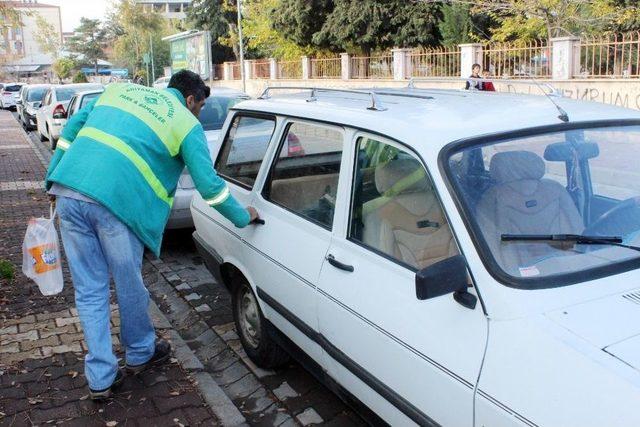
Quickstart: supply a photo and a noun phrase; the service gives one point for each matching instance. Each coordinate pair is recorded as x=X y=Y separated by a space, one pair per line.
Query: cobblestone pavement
x=199 y=312
x=41 y=347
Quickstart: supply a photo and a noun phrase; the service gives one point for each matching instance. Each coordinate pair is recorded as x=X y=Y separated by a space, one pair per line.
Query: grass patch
x=7 y=270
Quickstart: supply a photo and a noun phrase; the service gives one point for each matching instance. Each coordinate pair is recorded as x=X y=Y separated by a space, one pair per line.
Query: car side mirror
x=445 y=277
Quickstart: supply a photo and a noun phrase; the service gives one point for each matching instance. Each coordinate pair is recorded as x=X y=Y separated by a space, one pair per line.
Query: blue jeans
x=98 y=245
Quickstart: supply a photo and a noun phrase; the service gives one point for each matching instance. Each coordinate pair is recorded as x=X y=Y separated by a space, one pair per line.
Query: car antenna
x=563 y=114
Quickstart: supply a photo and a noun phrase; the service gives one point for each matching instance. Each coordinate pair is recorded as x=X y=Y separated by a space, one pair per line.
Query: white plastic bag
x=41 y=254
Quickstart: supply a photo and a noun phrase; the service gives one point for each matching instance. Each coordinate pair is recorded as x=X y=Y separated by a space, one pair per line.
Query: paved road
x=199 y=309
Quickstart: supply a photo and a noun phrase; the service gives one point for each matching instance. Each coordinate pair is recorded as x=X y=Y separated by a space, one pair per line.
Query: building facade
x=20 y=53
x=170 y=9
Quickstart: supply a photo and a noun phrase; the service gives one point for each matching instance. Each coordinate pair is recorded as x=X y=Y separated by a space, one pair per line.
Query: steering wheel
x=605 y=223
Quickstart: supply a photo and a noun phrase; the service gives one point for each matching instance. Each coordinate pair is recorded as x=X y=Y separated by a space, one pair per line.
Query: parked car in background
x=80 y=100
x=161 y=82
x=29 y=102
x=444 y=258
x=212 y=117
x=9 y=94
x=50 y=117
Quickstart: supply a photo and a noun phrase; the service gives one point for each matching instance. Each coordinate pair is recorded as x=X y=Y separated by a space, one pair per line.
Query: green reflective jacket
x=127 y=149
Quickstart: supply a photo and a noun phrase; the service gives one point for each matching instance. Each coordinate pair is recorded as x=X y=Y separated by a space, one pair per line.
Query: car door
x=297 y=204
x=421 y=358
x=250 y=134
x=41 y=113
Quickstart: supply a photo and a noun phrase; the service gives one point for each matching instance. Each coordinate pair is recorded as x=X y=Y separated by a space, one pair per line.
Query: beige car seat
x=522 y=202
x=406 y=221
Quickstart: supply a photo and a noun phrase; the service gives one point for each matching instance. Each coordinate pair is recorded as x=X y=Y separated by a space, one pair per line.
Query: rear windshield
x=522 y=195
x=215 y=109
x=12 y=88
x=66 y=93
x=36 y=94
x=88 y=98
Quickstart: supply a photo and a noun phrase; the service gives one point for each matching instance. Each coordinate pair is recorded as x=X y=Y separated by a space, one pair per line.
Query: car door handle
x=337 y=264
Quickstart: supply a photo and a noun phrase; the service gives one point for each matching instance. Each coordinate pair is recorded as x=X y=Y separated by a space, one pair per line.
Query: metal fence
x=613 y=55
x=261 y=70
x=372 y=67
x=290 y=69
x=235 y=70
x=435 y=62
x=521 y=60
x=218 y=71
x=326 y=68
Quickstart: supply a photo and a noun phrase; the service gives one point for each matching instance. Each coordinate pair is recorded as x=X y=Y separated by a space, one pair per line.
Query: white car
x=9 y=94
x=161 y=82
x=50 y=118
x=442 y=257
x=80 y=100
x=212 y=117
x=29 y=102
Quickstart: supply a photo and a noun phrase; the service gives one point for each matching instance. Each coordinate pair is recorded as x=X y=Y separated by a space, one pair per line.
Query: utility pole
x=244 y=83
x=153 y=69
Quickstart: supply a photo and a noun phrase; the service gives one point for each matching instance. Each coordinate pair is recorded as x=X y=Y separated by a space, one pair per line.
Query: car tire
x=42 y=137
x=54 y=143
x=254 y=330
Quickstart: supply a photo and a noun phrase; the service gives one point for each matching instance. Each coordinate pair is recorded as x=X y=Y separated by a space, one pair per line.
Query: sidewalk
x=41 y=346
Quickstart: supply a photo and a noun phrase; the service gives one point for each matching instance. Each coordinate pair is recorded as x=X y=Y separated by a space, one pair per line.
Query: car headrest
x=515 y=166
x=401 y=176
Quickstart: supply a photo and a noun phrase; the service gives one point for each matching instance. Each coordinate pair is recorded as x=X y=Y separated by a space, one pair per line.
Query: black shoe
x=161 y=355
x=107 y=392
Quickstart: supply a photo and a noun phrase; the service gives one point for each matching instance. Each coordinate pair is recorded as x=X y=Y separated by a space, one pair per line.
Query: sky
x=73 y=10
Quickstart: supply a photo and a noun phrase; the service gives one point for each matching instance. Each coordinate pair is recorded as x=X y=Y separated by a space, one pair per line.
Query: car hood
x=611 y=323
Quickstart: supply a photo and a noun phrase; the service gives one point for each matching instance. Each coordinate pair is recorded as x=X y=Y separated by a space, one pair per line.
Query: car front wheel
x=253 y=329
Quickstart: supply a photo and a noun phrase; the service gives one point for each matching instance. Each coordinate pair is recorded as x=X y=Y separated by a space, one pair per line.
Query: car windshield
x=523 y=196
x=215 y=109
x=36 y=94
x=13 y=88
x=66 y=93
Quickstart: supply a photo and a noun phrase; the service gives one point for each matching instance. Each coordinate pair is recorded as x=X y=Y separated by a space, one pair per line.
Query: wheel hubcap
x=250 y=318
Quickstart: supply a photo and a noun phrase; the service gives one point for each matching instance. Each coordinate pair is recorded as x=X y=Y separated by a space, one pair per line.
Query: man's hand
x=253 y=213
x=52 y=198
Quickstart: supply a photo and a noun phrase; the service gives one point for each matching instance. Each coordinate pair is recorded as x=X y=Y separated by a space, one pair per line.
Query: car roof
x=77 y=86
x=226 y=91
x=89 y=92
x=431 y=118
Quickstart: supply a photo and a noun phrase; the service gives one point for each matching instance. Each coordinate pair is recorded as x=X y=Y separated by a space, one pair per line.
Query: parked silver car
x=29 y=103
x=212 y=117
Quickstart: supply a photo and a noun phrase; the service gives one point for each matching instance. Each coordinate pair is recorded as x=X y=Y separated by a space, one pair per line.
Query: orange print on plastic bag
x=44 y=258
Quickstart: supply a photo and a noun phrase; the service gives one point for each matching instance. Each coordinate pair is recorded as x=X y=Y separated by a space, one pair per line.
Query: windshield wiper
x=576 y=238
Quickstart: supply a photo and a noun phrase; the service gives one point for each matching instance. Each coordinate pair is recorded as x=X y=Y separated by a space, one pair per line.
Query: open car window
x=573 y=182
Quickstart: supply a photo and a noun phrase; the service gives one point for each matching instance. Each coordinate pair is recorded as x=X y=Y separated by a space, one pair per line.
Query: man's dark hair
x=189 y=83
x=476 y=65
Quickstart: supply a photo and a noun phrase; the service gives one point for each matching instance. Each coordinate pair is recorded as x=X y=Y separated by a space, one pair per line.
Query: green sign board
x=191 y=53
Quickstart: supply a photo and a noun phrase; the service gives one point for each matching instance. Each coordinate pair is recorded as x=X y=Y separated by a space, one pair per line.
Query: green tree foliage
x=261 y=38
x=89 y=41
x=79 y=77
x=455 y=27
x=220 y=19
x=545 y=19
x=47 y=37
x=133 y=31
x=63 y=67
x=379 y=24
x=299 y=20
